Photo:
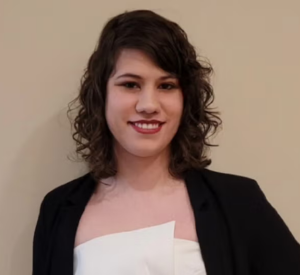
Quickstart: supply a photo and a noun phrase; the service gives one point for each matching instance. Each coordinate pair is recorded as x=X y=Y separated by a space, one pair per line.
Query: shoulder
x=237 y=196
x=235 y=193
x=66 y=191
x=226 y=178
x=270 y=244
x=231 y=186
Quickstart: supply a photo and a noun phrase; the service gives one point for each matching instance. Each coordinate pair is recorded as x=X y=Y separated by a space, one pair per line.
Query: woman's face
x=144 y=105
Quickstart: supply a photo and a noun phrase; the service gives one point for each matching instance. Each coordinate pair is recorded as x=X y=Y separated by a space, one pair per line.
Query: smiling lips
x=147 y=126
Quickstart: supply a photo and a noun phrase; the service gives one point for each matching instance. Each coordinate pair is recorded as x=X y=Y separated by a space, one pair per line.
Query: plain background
x=253 y=46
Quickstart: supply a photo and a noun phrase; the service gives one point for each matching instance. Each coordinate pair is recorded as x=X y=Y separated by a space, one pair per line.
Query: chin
x=144 y=152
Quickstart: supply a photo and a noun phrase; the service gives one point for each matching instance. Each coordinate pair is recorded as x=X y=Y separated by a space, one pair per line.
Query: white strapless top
x=147 y=251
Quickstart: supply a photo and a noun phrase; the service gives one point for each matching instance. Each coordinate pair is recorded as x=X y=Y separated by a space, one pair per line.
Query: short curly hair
x=166 y=43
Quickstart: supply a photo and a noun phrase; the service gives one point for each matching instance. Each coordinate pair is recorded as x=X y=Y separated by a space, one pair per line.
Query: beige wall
x=253 y=45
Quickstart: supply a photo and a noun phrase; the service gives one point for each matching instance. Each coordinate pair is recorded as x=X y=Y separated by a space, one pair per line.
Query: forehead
x=136 y=62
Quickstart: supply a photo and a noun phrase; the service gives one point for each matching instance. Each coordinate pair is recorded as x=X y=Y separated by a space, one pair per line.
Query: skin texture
x=146 y=96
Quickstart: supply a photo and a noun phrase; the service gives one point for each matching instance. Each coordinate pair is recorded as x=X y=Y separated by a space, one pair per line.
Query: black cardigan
x=239 y=232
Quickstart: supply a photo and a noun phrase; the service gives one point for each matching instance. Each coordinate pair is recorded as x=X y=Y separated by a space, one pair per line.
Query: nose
x=148 y=101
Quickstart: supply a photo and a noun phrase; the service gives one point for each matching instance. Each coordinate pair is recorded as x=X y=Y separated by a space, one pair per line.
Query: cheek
x=174 y=106
x=118 y=108
x=111 y=109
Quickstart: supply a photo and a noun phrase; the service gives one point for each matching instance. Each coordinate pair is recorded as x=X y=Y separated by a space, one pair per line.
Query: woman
x=149 y=205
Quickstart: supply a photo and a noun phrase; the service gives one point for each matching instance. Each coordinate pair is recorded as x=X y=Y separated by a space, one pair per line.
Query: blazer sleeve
x=275 y=250
x=40 y=244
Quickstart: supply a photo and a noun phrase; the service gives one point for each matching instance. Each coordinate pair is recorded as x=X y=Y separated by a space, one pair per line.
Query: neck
x=142 y=173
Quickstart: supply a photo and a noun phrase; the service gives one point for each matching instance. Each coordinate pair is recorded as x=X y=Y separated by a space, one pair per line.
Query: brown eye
x=167 y=86
x=130 y=85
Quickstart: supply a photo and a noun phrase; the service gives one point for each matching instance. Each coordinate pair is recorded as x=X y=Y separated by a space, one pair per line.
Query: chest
x=220 y=244
x=131 y=211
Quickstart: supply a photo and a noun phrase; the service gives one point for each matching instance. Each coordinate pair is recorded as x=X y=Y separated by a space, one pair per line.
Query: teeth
x=146 y=125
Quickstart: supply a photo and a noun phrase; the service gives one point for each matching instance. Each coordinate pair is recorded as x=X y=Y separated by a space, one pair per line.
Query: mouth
x=147 y=125
x=147 y=128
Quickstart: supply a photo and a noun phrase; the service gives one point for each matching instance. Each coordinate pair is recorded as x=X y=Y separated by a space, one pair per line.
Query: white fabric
x=147 y=251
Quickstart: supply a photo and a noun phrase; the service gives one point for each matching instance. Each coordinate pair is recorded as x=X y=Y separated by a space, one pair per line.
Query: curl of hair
x=167 y=45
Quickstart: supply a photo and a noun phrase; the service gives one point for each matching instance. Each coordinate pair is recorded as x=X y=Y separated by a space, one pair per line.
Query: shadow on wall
x=40 y=166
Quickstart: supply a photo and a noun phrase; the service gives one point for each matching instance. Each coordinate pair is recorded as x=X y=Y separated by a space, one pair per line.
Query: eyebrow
x=139 y=77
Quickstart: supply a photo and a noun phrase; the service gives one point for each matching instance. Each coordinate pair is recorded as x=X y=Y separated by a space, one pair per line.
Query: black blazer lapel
x=63 y=244
x=68 y=217
x=210 y=226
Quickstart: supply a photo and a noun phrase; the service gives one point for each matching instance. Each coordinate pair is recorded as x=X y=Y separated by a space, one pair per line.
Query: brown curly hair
x=166 y=43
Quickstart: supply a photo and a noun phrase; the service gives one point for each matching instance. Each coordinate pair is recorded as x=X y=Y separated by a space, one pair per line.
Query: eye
x=168 y=86
x=130 y=85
